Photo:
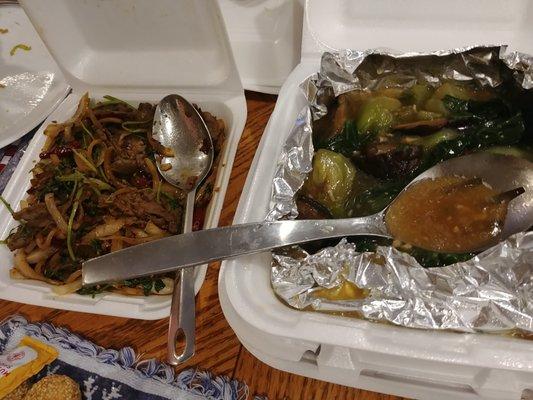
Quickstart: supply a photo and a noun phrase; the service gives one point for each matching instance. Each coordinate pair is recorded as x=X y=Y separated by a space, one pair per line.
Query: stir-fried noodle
x=96 y=189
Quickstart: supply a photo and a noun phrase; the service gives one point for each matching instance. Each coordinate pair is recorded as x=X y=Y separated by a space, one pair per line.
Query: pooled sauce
x=447 y=214
x=346 y=291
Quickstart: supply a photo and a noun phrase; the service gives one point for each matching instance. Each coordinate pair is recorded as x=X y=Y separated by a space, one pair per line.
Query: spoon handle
x=183 y=308
x=201 y=247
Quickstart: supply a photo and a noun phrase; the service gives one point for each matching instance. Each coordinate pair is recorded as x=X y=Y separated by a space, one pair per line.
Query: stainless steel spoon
x=503 y=173
x=180 y=127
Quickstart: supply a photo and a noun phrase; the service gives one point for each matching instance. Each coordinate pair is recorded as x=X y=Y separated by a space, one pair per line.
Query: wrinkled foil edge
x=492 y=293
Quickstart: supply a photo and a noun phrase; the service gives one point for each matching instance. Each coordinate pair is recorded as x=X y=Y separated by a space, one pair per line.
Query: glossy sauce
x=447 y=214
x=346 y=291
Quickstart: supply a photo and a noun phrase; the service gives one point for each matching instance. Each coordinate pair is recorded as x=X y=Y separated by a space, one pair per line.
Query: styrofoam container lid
x=138 y=50
x=137 y=45
x=416 y=25
x=266 y=38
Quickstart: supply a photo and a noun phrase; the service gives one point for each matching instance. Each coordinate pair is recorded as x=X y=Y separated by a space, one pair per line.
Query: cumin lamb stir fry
x=370 y=145
x=96 y=189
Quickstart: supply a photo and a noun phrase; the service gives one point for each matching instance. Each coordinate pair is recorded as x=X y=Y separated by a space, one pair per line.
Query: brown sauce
x=447 y=214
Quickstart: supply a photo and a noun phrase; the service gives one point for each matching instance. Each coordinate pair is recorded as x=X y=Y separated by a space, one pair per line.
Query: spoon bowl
x=503 y=173
x=179 y=127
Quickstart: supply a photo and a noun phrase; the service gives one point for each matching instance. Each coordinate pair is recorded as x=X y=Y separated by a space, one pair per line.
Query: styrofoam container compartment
x=137 y=50
x=383 y=358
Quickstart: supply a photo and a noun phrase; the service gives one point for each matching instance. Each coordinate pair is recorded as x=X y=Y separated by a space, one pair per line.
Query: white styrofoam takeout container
x=135 y=51
x=266 y=37
x=383 y=358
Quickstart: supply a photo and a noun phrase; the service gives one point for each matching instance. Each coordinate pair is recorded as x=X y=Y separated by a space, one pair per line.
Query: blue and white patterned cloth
x=105 y=374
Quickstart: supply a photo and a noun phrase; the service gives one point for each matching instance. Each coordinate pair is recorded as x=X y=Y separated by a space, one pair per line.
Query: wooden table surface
x=217 y=348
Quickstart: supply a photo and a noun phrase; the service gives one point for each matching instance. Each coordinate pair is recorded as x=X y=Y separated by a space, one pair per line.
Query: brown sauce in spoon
x=447 y=214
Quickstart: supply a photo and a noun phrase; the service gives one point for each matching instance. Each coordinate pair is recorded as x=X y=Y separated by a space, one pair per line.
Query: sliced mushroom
x=391 y=160
x=422 y=127
x=311 y=209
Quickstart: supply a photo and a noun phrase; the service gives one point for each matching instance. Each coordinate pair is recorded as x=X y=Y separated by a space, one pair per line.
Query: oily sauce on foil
x=447 y=214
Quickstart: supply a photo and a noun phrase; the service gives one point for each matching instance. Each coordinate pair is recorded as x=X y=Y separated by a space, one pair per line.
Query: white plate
x=265 y=36
x=34 y=86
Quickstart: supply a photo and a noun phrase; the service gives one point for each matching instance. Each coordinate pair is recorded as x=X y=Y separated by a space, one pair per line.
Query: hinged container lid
x=137 y=45
x=415 y=25
x=266 y=37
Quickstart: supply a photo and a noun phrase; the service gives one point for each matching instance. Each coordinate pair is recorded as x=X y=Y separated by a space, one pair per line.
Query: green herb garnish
x=110 y=100
x=348 y=141
x=8 y=206
x=20 y=46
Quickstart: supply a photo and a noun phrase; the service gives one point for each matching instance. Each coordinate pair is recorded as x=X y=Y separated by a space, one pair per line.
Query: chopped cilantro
x=93 y=290
x=146 y=283
x=20 y=46
x=159 y=285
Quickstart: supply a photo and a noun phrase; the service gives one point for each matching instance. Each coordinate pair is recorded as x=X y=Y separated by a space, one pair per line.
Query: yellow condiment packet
x=24 y=361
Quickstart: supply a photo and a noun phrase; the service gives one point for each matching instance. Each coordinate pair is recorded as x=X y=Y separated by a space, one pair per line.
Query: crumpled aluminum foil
x=493 y=292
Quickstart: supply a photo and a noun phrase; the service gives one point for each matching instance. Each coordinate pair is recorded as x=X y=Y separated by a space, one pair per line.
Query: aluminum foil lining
x=492 y=292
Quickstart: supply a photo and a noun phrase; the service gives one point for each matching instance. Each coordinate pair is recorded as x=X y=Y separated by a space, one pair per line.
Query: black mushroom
x=391 y=160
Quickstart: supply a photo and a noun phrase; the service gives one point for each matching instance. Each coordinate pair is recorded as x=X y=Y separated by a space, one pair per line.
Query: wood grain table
x=217 y=348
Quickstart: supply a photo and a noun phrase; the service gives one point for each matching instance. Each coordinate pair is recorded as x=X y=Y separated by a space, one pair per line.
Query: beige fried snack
x=19 y=392
x=24 y=361
x=54 y=387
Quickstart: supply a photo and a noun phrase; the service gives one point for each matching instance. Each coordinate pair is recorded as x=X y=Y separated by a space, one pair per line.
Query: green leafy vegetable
x=418 y=94
x=146 y=283
x=471 y=110
x=348 y=141
x=331 y=180
x=471 y=125
x=430 y=259
x=376 y=114
x=476 y=136
x=93 y=290
x=373 y=200
x=159 y=285
x=426 y=258
x=436 y=104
